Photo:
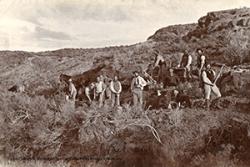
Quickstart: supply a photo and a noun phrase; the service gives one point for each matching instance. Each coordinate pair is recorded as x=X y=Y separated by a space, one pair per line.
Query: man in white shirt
x=72 y=90
x=137 y=86
x=100 y=88
x=208 y=77
x=116 y=88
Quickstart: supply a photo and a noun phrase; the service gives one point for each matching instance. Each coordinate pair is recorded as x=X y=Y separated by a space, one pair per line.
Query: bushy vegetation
x=32 y=163
x=35 y=127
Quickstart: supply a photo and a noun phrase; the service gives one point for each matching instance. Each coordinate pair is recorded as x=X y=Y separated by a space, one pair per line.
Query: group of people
x=97 y=91
x=104 y=87
x=206 y=75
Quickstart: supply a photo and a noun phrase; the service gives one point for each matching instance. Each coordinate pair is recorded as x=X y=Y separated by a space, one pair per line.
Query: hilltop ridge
x=223 y=35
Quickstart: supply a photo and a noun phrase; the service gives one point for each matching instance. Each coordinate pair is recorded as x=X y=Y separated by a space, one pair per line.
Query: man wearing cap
x=72 y=90
x=116 y=88
x=137 y=86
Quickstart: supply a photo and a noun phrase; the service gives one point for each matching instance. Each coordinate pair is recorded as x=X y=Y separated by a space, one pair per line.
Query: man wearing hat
x=137 y=86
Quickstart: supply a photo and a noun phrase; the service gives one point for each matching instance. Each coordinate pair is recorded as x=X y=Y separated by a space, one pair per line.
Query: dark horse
x=82 y=80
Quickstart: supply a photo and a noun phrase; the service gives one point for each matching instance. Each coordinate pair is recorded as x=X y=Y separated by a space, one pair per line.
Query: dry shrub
x=28 y=125
x=237 y=48
x=35 y=127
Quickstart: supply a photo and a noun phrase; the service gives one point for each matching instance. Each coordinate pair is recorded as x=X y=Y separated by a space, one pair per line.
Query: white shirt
x=205 y=79
x=87 y=90
x=138 y=82
x=189 y=61
x=99 y=87
x=203 y=58
x=72 y=88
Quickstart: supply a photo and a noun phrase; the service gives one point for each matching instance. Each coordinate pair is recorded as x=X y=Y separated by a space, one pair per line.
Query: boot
x=217 y=104
x=207 y=103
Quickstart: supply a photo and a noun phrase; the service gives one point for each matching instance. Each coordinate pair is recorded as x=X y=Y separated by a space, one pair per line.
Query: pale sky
x=37 y=25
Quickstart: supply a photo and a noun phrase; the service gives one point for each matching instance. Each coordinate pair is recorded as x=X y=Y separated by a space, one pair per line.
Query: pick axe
x=218 y=76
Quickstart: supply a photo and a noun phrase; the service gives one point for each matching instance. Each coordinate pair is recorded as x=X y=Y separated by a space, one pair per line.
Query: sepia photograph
x=124 y=83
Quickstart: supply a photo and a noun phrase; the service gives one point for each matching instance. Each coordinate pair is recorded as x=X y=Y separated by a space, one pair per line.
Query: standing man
x=208 y=78
x=185 y=63
x=100 y=88
x=116 y=88
x=107 y=80
x=137 y=86
x=72 y=90
x=201 y=60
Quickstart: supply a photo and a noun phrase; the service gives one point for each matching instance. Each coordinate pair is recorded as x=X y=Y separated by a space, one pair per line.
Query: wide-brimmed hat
x=136 y=71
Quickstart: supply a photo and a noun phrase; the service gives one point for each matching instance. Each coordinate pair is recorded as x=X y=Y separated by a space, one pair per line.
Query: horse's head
x=64 y=78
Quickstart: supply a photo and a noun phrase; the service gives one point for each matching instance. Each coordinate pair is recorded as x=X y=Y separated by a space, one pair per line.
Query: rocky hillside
x=55 y=128
x=224 y=36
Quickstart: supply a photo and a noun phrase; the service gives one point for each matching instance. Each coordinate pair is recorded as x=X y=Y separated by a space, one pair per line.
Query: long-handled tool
x=218 y=76
x=150 y=77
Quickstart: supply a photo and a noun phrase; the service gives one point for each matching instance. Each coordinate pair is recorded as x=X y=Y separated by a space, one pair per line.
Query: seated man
x=171 y=79
x=185 y=63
